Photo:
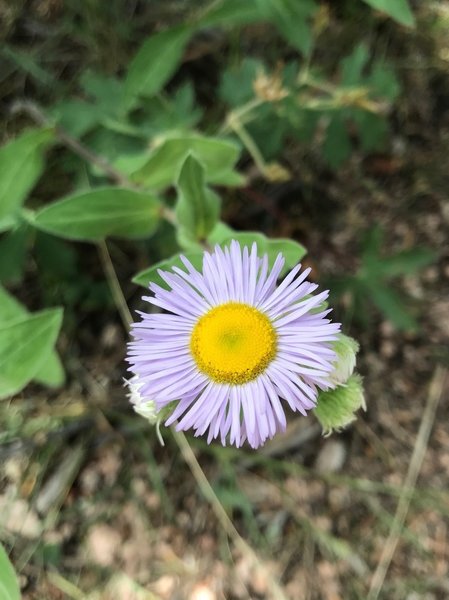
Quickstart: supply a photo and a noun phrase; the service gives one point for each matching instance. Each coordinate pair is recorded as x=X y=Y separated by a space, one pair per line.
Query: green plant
x=126 y=143
x=371 y=284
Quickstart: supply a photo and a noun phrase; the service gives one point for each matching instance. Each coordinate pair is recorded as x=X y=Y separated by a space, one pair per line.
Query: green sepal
x=336 y=408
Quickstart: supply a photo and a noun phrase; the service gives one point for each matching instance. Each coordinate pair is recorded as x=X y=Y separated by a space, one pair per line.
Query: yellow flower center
x=233 y=343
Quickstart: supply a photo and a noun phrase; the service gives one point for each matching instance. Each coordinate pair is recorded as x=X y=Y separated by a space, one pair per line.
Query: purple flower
x=233 y=346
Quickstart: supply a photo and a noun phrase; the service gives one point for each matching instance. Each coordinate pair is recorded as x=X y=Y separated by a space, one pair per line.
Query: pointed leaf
x=162 y=166
x=399 y=10
x=94 y=215
x=52 y=371
x=290 y=17
x=25 y=345
x=230 y=13
x=155 y=62
x=197 y=207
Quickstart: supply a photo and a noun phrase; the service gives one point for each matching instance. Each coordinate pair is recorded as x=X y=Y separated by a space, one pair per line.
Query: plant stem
x=38 y=116
x=114 y=284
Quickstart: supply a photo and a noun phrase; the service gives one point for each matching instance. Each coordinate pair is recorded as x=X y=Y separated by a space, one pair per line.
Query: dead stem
x=222 y=516
x=419 y=450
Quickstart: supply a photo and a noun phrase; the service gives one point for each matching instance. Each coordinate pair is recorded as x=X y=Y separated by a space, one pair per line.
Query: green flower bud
x=335 y=408
x=346 y=349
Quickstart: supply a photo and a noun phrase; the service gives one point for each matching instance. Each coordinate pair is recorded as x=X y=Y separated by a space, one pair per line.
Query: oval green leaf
x=94 y=215
x=197 y=207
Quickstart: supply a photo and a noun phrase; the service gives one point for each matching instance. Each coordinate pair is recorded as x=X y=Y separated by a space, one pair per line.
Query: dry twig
x=419 y=450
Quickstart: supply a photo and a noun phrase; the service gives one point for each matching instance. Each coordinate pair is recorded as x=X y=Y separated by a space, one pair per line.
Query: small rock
x=201 y=591
x=103 y=543
x=331 y=457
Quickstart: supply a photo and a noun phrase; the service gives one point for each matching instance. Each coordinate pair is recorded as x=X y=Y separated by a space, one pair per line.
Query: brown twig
x=114 y=284
x=39 y=117
x=419 y=450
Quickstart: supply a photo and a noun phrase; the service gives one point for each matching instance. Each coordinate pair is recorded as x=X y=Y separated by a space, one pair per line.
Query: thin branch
x=222 y=516
x=419 y=450
x=114 y=284
x=39 y=117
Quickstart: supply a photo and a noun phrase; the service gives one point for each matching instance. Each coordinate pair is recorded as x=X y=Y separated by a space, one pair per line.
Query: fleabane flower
x=234 y=348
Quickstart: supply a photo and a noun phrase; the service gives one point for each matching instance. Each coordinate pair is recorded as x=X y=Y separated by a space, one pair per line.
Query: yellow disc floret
x=233 y=343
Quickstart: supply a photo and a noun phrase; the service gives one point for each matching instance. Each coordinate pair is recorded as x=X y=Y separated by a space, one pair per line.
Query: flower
x=234 y=345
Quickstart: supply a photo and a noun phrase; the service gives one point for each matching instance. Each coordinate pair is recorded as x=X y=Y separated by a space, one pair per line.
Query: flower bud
x=335 y=408
x=346 y=349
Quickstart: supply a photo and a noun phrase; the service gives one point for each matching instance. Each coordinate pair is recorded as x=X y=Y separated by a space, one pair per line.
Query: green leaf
x=352 y=66
x=10 y=308
x=9 y=586
x=21 y=165
x=163 y=165
x=25 y=345
x=293 y=251
x=51 y=372
x=106 y=91
x=405 y=262
x=230 y=13
x=94 y=215
x=220 y=233
x=77 y=117
x=290 y=17
x=155 y=62
x=335 y=408
x=151 y=274
x=372 y=129
x=337 y=145
x=197 y=207
x=7 y=223
x=399 y=10
x=236 y=85
x=383 y=81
